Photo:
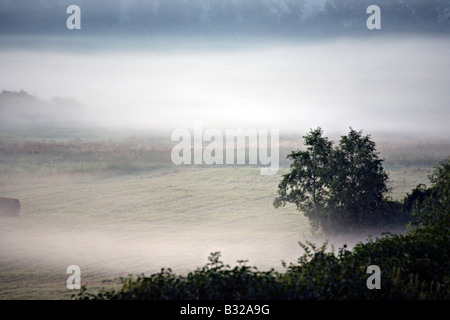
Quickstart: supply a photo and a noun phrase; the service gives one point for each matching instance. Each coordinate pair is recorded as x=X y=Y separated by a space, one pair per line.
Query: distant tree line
x=237 y=17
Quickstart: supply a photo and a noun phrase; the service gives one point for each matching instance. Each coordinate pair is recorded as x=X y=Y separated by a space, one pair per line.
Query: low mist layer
x=167 y=218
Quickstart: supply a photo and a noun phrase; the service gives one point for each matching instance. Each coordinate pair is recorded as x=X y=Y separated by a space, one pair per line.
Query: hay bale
x=9 y=207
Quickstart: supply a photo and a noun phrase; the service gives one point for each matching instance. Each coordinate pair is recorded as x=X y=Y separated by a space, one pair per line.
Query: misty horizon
x=387 y=84
x=291 y=18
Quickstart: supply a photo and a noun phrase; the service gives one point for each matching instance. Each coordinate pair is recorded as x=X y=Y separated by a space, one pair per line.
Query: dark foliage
x=339 y=188
x=413 y=266
x=430 y=206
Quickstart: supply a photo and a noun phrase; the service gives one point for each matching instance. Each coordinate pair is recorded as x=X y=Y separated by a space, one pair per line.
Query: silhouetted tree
x=307 y=183
x=336 y=187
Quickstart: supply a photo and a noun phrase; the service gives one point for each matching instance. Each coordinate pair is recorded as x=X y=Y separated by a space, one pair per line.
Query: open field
x=141 y=223
x=115 y=208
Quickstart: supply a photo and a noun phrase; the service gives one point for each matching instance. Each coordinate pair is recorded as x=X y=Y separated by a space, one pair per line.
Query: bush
x=430 y=206
x=413 y=266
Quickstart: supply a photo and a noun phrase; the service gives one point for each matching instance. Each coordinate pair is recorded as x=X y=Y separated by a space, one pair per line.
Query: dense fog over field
x=387 y=84
x=262 y=63
x=95 y=192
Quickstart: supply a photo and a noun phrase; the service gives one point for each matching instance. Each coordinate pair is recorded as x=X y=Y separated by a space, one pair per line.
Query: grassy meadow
x=115 y=205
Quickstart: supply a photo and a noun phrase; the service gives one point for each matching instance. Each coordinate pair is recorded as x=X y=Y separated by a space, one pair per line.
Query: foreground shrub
x=413 y=266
